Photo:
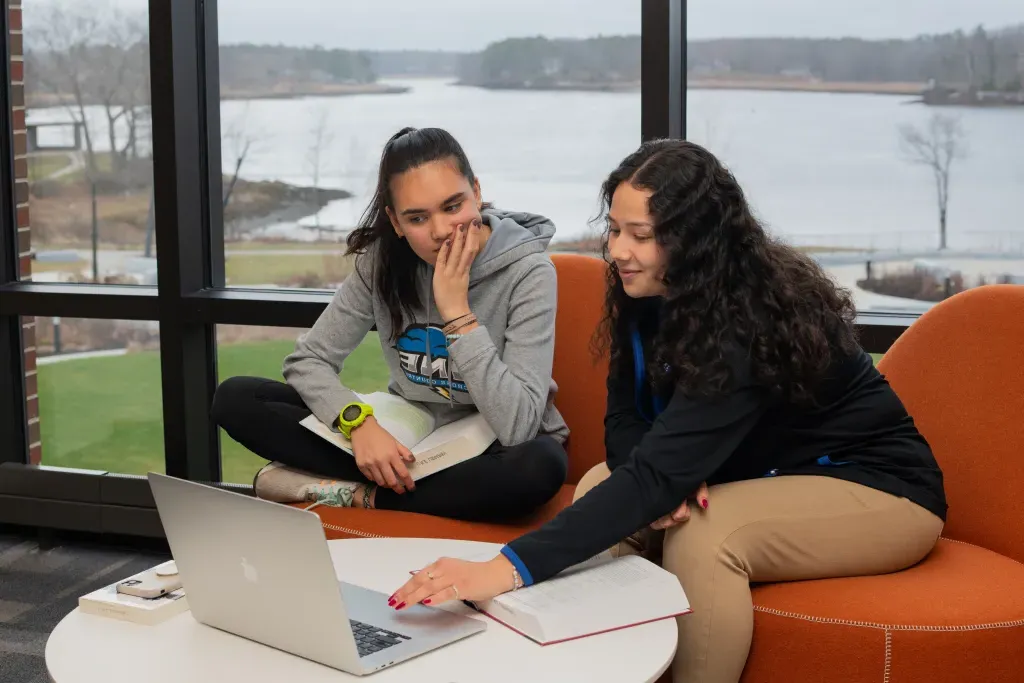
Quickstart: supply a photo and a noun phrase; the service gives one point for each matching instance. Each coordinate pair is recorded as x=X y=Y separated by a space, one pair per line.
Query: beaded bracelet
x=517 y=581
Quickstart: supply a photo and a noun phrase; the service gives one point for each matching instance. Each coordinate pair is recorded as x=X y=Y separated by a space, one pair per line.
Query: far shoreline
x=285 y=91
x=776 y=85
x=787 y=85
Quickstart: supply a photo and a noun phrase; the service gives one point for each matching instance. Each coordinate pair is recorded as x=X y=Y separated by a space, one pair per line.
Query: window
x=259 y=351
x=88 y=143
x=99 y=395
x=545 y=103
x=842 y=145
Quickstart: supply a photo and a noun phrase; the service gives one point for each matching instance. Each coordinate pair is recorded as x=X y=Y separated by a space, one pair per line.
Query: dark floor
x=41 y=579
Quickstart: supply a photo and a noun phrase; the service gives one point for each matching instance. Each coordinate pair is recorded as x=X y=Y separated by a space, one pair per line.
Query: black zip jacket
x=857 y=430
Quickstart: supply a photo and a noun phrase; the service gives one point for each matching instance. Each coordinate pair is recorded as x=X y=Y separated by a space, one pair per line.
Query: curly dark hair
x=729 y=284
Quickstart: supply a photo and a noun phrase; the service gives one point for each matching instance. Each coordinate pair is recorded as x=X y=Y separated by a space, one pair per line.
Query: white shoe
x=282 y=484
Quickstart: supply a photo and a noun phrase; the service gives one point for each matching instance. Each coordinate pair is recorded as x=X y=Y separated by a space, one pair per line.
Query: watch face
x=351 y=413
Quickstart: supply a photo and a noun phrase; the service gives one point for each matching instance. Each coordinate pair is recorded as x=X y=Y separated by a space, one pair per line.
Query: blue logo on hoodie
x=423 y=355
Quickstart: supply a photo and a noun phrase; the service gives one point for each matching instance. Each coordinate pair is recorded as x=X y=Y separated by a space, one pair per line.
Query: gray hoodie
x=502 y=368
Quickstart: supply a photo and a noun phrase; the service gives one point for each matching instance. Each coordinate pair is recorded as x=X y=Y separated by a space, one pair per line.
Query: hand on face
x=451 y=271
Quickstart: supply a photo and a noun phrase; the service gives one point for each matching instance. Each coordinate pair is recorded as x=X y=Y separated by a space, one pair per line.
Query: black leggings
x=503 y=484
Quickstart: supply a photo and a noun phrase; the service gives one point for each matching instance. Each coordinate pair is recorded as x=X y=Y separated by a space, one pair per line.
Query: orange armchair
x=580 y=399
x=959 y=614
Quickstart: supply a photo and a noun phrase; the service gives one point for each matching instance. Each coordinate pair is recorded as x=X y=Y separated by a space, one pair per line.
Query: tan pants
x=769 y=530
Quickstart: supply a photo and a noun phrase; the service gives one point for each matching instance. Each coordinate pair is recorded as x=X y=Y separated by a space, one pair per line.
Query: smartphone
x=151 y=584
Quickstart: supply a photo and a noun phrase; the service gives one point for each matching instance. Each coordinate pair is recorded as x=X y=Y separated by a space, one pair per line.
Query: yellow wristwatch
x=353 y=415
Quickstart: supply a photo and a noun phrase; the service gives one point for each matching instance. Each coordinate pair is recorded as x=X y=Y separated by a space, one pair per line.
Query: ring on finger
x=430 y=576
x=456 y=589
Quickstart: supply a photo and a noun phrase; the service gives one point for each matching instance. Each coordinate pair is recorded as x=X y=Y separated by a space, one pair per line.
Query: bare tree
x=322 y=138
x=238 y=144
x=54 y=56
x=118 y=83
x=88 y=55
x=936 y=146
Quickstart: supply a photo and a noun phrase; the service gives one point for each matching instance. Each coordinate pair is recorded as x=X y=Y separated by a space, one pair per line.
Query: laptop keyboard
x=370 y=639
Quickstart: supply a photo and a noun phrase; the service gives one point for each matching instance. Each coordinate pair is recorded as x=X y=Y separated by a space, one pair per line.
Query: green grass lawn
x=105 y=413
x=41 y=166
x=256 y=268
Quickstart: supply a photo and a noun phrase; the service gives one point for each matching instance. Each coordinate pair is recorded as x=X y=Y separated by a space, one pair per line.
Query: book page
x=597 y=595
x=408 y=423
x=592 y=582
x=473 y=428
x=451 y=444
x=314 y=425
x=618 y=593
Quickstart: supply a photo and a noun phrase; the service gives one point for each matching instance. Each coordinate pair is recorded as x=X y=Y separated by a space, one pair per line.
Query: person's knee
x=550 y=464
x=232 y=399
x=692 y=543
x=542 y=469
x=594 y=476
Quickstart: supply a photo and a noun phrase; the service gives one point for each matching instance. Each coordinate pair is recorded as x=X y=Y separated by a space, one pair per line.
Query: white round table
x=85 y=648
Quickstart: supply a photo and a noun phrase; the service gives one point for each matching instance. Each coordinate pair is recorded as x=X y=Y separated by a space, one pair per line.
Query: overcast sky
x=471 y=24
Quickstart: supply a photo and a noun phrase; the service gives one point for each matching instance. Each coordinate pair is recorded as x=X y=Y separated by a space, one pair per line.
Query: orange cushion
x=579 y=374
x=958 y=370
x=360 y=523
x=956 y=616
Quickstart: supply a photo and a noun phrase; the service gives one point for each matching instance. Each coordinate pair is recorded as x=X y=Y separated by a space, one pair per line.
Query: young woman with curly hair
x=736 y=380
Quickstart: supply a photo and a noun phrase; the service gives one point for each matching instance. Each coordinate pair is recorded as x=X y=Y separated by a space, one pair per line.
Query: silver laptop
x=263 y=571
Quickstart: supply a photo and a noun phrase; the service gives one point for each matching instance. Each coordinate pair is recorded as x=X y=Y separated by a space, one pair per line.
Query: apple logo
x=249 y=572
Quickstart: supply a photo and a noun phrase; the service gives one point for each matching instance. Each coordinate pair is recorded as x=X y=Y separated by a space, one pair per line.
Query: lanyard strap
x=640 y=377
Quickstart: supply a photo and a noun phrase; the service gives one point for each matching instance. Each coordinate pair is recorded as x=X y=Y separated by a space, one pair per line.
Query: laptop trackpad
x=371 y=607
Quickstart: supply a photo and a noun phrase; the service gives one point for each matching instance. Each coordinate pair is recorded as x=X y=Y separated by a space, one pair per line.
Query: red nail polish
x=427 y=601
x=391 y=602
x=704 y=503
x=400 y=606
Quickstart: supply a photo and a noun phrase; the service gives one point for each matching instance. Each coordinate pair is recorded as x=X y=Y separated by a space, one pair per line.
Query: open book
x=414 y=427
x=602 y=594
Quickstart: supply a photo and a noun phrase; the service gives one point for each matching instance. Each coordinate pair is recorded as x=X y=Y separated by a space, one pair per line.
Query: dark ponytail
x=396 y=265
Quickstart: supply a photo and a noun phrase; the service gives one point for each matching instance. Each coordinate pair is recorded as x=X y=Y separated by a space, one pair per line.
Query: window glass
x=88 y=143
x=94 y=394
x=544 y=97
x=883 y=140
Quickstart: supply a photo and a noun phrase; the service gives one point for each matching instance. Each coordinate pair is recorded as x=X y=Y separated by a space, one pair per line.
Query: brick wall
x=24 y=233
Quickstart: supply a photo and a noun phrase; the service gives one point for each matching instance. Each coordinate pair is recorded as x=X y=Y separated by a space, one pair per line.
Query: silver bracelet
x=517 y=581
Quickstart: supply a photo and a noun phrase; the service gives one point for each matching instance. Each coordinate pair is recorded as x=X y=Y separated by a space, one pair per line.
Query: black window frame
x=190 y=299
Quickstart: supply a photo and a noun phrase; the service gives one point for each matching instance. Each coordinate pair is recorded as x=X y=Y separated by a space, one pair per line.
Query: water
x=820 y=169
